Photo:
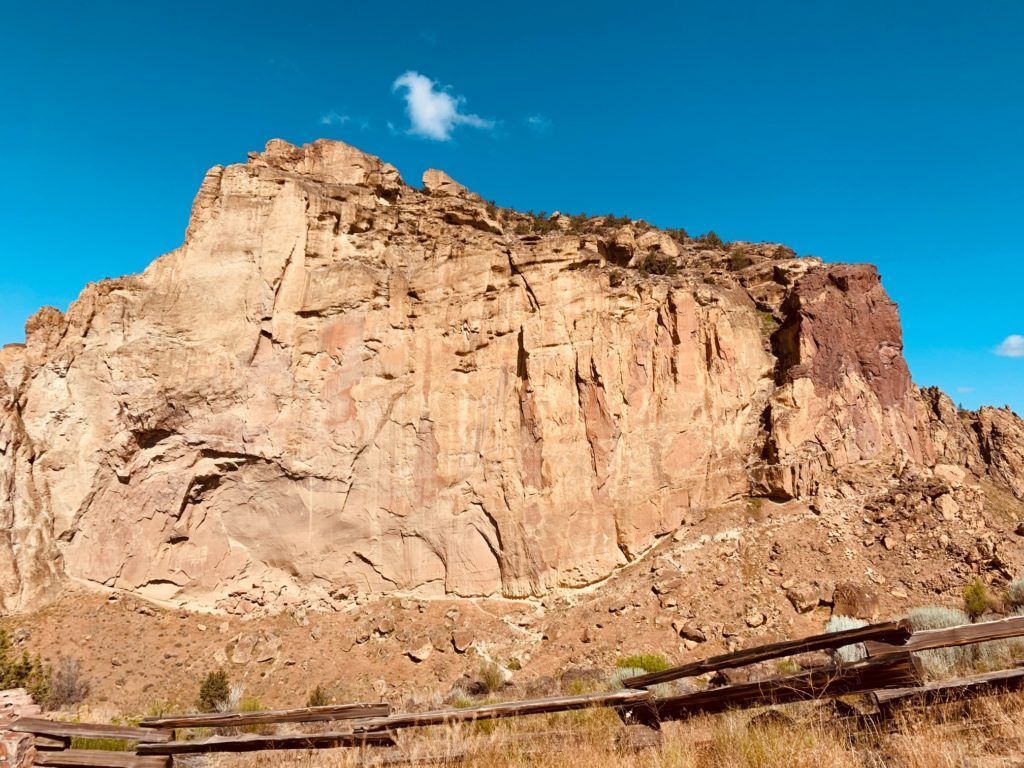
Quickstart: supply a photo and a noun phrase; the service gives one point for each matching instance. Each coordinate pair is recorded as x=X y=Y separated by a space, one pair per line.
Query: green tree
x=23 y=672
x=214 y=691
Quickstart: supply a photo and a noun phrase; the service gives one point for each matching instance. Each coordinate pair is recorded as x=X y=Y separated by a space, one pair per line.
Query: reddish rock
x=840 y=344
x=17 y=750
x=855 y=600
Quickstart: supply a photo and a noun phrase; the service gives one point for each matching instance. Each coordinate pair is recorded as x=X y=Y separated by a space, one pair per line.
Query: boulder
x=440 y=183
x=17 y=750
x=421 y=652
x=462 y=640
x=855 y=600
x=803 y=596
x=689 y=631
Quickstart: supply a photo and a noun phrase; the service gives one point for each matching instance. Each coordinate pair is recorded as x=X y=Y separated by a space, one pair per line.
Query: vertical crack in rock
x=531 y=436
x=534 y=303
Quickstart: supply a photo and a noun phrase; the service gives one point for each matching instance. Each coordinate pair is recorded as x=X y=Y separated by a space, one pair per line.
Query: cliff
x=340 y=385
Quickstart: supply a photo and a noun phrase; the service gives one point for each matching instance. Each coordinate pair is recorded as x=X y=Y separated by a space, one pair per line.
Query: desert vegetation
x=52 y=686
x=973 y=735
x=972 y=732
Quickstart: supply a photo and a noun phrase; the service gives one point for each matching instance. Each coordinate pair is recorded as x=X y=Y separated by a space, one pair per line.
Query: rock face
x=342 y=385
x=845 y=393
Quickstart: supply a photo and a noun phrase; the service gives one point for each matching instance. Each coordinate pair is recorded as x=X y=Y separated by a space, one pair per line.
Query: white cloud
x=433 y=112
x=333 y=118
x=539 y=123
x=964 y=390
x=1012 y=346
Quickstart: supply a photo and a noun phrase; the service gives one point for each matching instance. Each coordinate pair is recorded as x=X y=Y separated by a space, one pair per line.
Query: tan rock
x=439 y=182
x=803 y=596
x=754 y=618
x=340 y=386
x=951 y=474
x=267 y=647
x=421 y=652
x=462 y=640
x=947 y=506
x=242 y=648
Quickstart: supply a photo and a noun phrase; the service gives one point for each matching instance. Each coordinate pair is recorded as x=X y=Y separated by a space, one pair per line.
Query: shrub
x=158 y=709
x=233 y=702
x=976 y=599
x=995 y=654
x=253 y=704
x=769 y=325
x=623 y=673
x=612 y=221
x=1015 y=594
x=68 y=686
x=941 y=662
x=936 y=617
x=578 y=223
x=787 y=667
x=739 y=261
x=214 y=692
x=492 y=677
x=648 y=662
x=711 y=240
x=847 y=653
x=653 y=264
x=317 y=697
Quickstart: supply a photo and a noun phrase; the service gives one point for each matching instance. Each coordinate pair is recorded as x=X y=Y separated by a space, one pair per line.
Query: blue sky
x=886 y=132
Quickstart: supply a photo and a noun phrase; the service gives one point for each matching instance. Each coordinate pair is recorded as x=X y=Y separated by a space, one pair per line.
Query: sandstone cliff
x=341 y=385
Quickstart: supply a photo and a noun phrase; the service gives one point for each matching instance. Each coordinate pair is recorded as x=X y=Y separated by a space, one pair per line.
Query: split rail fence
x=890 y=676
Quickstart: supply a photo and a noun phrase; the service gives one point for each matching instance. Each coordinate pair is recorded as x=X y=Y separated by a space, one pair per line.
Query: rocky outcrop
x=845 y=395
x=1000 y=434
x=342 y=385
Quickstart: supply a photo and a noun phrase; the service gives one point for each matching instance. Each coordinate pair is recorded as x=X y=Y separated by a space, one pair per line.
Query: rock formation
x=341 y=385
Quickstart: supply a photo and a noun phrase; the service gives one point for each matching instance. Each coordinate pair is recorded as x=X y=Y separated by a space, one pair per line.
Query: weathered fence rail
x=268 y=717
x=506 y=709
x=45 y=742
x=57 y=729
x=986 y=683
x=98 y=758
x=949 y=637
x=255 y=742
x=889 y=632
x=822 y=683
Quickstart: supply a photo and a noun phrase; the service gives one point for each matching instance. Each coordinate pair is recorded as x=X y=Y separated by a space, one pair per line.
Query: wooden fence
x=890 y=676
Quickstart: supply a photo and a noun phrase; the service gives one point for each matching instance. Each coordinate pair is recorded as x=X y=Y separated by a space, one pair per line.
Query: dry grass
x=983 y=732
